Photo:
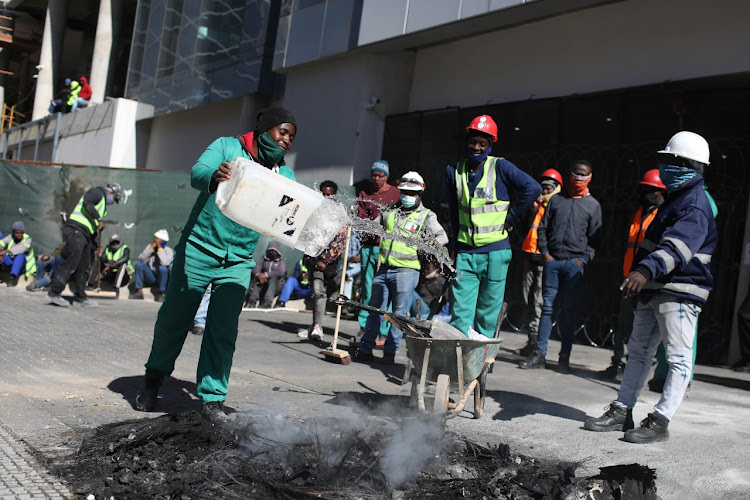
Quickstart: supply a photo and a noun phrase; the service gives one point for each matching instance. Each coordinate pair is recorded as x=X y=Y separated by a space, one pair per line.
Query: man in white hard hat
x=153 y=266
x=671 y=276
x=398 y=275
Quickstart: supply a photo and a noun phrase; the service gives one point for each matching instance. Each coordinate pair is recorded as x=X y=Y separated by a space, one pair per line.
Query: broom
x=333 y=354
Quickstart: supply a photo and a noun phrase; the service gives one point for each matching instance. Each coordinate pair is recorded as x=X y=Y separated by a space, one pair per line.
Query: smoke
x=379 y=447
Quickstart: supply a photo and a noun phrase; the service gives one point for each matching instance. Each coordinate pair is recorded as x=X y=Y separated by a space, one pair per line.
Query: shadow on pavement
x=516 y=405
x=175 y=395
x=371 y=403
x=735 y=383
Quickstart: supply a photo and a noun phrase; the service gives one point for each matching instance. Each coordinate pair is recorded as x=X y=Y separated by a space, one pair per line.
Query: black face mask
x=651 y=199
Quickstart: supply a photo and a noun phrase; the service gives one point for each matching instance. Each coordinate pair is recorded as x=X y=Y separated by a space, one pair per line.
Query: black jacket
x=571 y=227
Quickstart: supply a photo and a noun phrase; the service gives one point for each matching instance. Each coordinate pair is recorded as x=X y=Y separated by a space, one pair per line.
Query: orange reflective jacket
x=638 y=228
x=529 y=244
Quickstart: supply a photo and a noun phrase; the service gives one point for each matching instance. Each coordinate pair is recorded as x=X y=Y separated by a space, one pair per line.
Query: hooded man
x=268 y=279
x=671 y=277
x=478 y=190
x=152 y=266
x=214 y=250
x=568 y=238
x=78 y=235
x=398 y=275
x=17 y=254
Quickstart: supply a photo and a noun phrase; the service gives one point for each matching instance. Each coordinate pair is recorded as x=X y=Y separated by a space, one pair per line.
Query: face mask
x=408 y=201
x=110 y=198
x=269 y=153
x=579 y=185
x=478 y=158
x=674 y=177
x=651 y=199
x=546 y=197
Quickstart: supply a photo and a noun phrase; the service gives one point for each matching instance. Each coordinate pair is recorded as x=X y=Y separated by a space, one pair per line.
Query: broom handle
x=341 y=289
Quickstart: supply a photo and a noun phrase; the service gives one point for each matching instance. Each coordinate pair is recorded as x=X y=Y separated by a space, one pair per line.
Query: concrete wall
x=614 y=46
x=338 y=137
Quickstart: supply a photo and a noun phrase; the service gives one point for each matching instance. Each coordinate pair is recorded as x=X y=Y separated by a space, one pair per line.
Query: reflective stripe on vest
x=75 y=89
x=396 y=253
x=303 y=270
x=481 y=216
x=89 y=222
x=117 y=255
x=637 y=232
x=530 y=243
x=30 y=265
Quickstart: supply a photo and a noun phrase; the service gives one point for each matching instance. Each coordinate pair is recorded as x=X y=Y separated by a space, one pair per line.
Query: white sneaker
x=316 y=333
x=303 y=334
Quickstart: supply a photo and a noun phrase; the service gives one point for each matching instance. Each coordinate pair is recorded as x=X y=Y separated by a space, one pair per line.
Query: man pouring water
x=217 y=251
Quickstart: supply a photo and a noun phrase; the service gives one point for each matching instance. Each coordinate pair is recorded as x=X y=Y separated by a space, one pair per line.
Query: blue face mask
x=478 y=158
x=408 y=201
x=110 y=198
x=675 y=177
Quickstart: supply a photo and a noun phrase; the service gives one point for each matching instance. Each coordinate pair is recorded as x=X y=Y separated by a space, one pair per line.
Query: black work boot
x=615 y=418
x=13 y=280
x=563 y=365
x=530 y=347
x=213 y=412
x=653 y=428
x=149 y=392
x=656 y=384
x=535 y=360
x=613 y=372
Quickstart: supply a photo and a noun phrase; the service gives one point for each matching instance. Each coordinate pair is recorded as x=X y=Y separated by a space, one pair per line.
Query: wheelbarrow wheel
x=442 y=392
x=479 y=394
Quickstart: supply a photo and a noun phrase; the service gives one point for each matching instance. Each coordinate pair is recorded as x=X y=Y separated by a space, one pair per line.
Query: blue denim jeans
x=667 y=319
x=46 y=271
x=560 y=279
x=394 y=285
x=144 y=275
x=200 y=316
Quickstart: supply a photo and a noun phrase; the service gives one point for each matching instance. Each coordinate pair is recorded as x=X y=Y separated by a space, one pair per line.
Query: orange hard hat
x=552 y=174
x=651 y=178
x=484 y=124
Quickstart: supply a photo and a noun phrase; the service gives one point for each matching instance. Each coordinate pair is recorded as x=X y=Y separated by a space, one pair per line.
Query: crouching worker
x=398 y=275
x=671 y=277
x=297 y=286
x=17 y=254
x=153 y=266
x=213 y=250
x=115 y=262
x=267 y=279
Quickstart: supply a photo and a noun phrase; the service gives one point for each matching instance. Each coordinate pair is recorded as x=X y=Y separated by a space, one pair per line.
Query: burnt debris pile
x=178 y=456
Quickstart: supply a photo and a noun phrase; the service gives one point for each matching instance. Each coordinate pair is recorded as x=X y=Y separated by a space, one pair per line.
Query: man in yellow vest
x=115 y=262
x=17 y=254
x=398 y=275
x=533 y=263
x=478 y=191
x=79 y=236
x=652 y=192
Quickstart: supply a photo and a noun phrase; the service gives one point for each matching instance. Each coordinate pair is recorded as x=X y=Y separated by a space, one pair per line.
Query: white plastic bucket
x=279 y=207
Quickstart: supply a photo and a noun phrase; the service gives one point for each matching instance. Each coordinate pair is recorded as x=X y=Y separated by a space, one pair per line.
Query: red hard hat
x=552 y=174
x=485 y=124
x=651 y=178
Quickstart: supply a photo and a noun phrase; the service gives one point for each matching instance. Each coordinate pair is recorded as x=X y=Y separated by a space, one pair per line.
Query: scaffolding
x=10 y=118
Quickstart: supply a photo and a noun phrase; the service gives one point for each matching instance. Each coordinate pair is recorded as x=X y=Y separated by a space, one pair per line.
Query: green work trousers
x=660 y=372
x=369 y=256
x=478 y=290
x=193 y=270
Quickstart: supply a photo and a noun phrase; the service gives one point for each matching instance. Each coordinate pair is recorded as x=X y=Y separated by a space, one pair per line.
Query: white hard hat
x=688 y=145
x=411 y=181
x=162 y=234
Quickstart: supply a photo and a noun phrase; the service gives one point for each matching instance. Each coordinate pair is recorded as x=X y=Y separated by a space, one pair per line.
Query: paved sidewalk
x=21 y=476
x=68 y=370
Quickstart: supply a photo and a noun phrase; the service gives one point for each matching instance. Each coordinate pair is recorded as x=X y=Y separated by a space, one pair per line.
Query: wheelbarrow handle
x=418 y=326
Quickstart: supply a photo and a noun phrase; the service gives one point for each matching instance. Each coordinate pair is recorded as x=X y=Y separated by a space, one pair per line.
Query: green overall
x=480 y=288
x=213 y=250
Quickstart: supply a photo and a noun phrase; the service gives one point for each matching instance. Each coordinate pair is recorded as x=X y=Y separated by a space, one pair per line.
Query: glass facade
x=186 y=53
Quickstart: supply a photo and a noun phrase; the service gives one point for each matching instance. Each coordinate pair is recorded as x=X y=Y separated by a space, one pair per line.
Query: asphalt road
x=67 y=371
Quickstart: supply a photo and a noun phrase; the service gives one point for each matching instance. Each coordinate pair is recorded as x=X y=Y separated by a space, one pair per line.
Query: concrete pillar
x=102 y=52
x=49 y=57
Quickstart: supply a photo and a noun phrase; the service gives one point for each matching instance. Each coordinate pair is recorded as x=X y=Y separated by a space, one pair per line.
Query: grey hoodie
x=274 y=268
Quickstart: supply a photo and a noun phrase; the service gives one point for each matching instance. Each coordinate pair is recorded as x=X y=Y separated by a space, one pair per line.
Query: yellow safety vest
x=116 y=255
x=396 y=253
x=30 y=266
x=481 y=216
x=87 y=220
x=303 y=270
x=75 y=89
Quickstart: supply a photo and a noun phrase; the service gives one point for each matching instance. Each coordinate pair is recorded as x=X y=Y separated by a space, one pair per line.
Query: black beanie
x=270 y=117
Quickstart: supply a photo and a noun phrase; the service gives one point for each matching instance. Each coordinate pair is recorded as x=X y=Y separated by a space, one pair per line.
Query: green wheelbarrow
x=442 y=360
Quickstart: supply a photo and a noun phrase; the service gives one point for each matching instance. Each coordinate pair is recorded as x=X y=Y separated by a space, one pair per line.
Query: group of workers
x=75 y=94
x=667 y=270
